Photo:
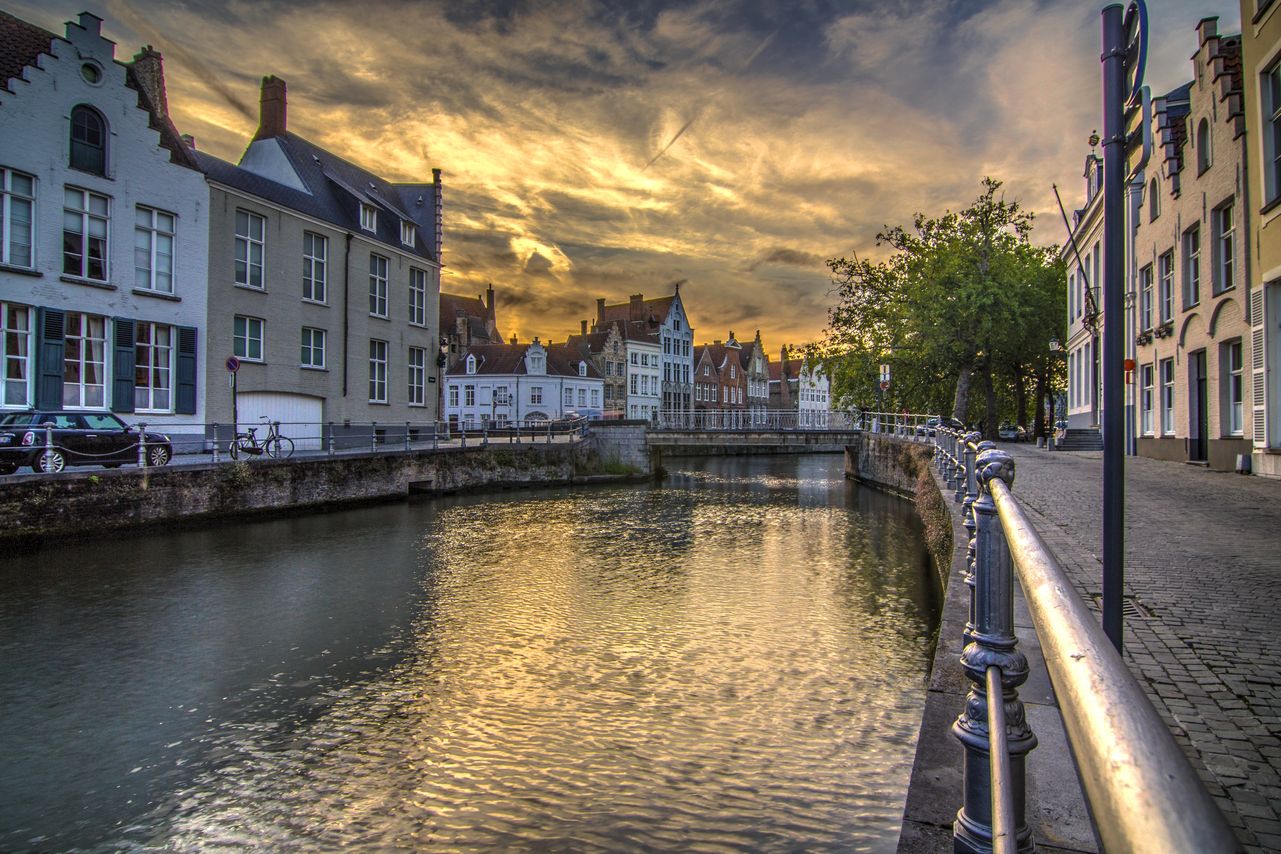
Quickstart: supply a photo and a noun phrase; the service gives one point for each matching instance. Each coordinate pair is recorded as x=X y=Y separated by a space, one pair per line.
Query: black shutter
x=122 y=370
x=185 y=398
x=51 y=354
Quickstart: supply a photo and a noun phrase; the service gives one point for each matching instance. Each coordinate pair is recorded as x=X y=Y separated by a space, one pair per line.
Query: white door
x=301 y=416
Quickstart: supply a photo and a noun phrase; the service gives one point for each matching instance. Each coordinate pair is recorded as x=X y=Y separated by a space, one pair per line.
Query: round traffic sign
x=233 y=364
x=885 y=385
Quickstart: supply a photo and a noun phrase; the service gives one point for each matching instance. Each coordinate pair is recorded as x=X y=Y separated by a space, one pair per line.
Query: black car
x=930 y=427
x=79 y=439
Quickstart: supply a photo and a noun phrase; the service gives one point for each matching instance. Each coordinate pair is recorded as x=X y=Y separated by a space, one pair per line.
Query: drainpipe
x=346 y=315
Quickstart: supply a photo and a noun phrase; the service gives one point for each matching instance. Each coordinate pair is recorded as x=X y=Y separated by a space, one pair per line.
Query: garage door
x=301 y=416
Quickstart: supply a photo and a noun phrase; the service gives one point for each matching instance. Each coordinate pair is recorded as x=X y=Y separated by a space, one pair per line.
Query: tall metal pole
x=1111 y=365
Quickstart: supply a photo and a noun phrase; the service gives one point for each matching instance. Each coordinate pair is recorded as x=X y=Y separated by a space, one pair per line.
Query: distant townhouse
x=103 y=233
x=813 y=395
x=496 y=384
x=675 y=338
x=1261 y=227
x=783 y=376
x=607 y=352
x=723 y=383
x=756 y=367
x=1083 y=257
x=325 y=285
x=466 y=322
x=1192 y=332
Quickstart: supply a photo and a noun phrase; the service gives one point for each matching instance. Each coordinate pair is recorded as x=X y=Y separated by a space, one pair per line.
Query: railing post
x=967 y=634
x=406 y=435
x=549 y=432
x=484 y=434
x=373 y=437
x=331 y=439
x=462 y=433
x=215 y=441
x=964 y=465
x=142 y=445
x=994 y=645
x=48 y=441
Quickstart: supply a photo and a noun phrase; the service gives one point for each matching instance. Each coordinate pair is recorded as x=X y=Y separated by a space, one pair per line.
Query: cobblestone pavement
x=1203 y=562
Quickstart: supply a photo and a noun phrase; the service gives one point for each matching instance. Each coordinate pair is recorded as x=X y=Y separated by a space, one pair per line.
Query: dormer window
x=407 y=233
x=582 y=369
x=471 y=364
x=88 y=141
x=368 y=217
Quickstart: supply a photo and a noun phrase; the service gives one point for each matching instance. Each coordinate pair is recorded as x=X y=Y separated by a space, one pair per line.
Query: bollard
x=215 y=442
x=484 y=434
x=142 y=445
x=406 y=435
x=993 y=645
x=462 y=434
x=48 y=442
x=964 y=465
x=549 y=432
x=373 y=437
x=435 y=436
x=331 y=438
x=968 y=634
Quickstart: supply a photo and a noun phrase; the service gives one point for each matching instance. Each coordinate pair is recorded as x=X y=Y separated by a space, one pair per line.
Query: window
x=1235 y=387
x=417 y=296
x=313 y=348
x=733 y=372
x=1071 y=296
x=153 y=368
x=153 y=250
x=368 y=217
x=250 y=234
x=417 y=364
x=17 y=209
x=246 y=338
x=595 y=397
x=500 y=396
x=569 y=396
x=582 y=369
x=582 y=397
x=85 y=361
x=535 y=361
x=1145 y=400
x=15 y=341
x=1165 y=265
x=1145 y=297
x=407 y=233
x=1271 y=98
x=1154 y=201
x=469 y=395
x=1167 y=397
x=1222 y=226
x=1191 y=267
x=84 y=234
x=707 y=370
x=377 y=371
x=88 y=141
x=315 y=260
x=633 y=384
x=635 y=359
x=453 y=396
x=377 y=285
x=1203 y=154
x=536 y=395
x=471 y=364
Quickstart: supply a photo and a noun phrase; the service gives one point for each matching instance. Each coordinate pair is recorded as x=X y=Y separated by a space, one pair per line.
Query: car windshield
x=17 y=419
x=103 y=421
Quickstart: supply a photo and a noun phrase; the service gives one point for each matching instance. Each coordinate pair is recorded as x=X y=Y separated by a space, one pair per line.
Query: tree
x=962 y=295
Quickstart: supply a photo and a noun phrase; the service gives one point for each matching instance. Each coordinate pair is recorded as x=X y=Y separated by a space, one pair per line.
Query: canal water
x=733 y=660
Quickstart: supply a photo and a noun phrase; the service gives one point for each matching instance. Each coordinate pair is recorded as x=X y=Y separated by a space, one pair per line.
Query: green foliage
x=961 y=294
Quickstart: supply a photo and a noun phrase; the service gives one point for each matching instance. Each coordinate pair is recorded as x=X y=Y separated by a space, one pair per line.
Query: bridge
x=729 y=432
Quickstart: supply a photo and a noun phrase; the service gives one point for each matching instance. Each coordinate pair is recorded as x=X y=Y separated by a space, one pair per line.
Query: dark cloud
x=794 y=257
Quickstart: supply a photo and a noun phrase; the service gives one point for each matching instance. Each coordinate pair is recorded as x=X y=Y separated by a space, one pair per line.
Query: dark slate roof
x=453 y=306
x=20 y=44
x=337 y=187
x=562 y=360
x=593 y=342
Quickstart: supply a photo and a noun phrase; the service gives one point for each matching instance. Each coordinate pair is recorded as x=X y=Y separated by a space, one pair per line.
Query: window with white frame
x=88 y=140
x=1271 y=102
x=501 y=397
x=1167 y=397
x=635 y=358
x=582 y=369
x=453 y=396
x=368 y=217
x=84 y=234
x=251 y=235
x=1191 y=267
x=1235 y=364
x=417 y=364
x=153 y=250
x=536 y=395
x=246 y=337
x=595 y=397
x=407 y=233
x=377 y=285
x=1222 y=225
x=377 y=371
x=17 y=218
x=569 y=396
x=15 y=338
x=582 y=397
x=315 y=266
x=313 y=348
x=469 y=395
x=1146 y=374
x=84 y=377
x=634 y=385
x=417 y=296
x=153 y=367
x=1165 y=266
x=1145 y=297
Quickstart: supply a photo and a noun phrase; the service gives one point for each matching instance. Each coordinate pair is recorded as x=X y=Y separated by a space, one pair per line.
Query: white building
x=103 y=267
x=1085 y=309
x=813 y=396
x=666 y=318
x=502 y=383
x=644 y=368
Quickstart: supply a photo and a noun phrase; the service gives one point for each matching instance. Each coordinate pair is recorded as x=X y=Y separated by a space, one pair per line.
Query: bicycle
x=276 y=446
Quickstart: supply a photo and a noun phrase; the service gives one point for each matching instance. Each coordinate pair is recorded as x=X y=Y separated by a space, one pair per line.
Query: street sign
x=885 y=373
x=233 y=364
x=885 y=385
x=1135 y=41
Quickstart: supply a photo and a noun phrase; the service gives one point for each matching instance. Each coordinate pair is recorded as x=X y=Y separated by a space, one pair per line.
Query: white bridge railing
x=788 y=420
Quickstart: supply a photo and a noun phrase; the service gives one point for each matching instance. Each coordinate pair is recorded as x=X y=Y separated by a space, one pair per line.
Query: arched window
x=471 y=364
x=88 y=140
x=1154 y=201
x=1203 y=154
x=582 y=369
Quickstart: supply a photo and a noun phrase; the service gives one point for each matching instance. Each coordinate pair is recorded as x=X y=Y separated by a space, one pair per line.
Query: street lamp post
x=1055 y=349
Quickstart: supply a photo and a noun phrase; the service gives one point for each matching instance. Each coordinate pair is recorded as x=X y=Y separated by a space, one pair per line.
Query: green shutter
x=51 y=354
x=185 y=396
x=122 y=370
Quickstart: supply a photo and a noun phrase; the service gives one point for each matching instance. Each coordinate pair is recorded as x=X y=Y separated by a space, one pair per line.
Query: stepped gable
x=20 y=46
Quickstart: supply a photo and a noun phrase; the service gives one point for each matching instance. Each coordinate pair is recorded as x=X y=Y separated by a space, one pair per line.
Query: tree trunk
x=961 y=403
x=1020 y=394
x=989 y=388
x=1042 y=393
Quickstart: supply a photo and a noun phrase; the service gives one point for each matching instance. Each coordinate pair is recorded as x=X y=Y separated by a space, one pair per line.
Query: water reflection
x=733 y=660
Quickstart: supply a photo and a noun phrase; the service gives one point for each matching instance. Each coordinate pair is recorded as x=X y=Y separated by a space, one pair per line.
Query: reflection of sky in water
x=733 y=660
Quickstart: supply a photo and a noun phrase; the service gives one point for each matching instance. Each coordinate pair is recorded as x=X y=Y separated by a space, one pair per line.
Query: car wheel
x=49 y=462
x=158 y=455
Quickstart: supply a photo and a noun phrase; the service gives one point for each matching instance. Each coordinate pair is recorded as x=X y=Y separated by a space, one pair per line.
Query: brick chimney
x=636 y=307
x=189 y=141
x=582 y=327
x=149 y=69
x=600 y=310
x=272 y=108
x=438 y=200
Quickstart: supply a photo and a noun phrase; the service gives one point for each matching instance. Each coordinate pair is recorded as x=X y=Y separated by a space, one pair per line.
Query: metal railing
x=1143 y=793
x=911 y=425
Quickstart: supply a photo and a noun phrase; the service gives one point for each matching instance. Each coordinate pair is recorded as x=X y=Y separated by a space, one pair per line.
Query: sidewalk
x=1203 y=562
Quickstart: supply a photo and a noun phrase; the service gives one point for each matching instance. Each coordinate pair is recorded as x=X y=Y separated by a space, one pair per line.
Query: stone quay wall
x=622 y=444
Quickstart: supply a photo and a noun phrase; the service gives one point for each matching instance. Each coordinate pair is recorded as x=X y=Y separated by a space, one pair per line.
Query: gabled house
x=721 y=384
x=675 y=339
x=755 y=363
x=607 y=352
x=325 y=284
x=497 y=384
x=104 y=244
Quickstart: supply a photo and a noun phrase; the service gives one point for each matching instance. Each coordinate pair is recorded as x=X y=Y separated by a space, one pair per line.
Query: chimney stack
x=149 y=69
x=438 y=199
x=189 y=141
x=583 y=327
x=636 y=308
x=489 y=298
x=272 y=108
x=513 y=341
x=600 y=310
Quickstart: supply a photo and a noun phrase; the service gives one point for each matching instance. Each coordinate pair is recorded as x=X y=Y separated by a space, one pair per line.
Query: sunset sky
x=607 y=149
